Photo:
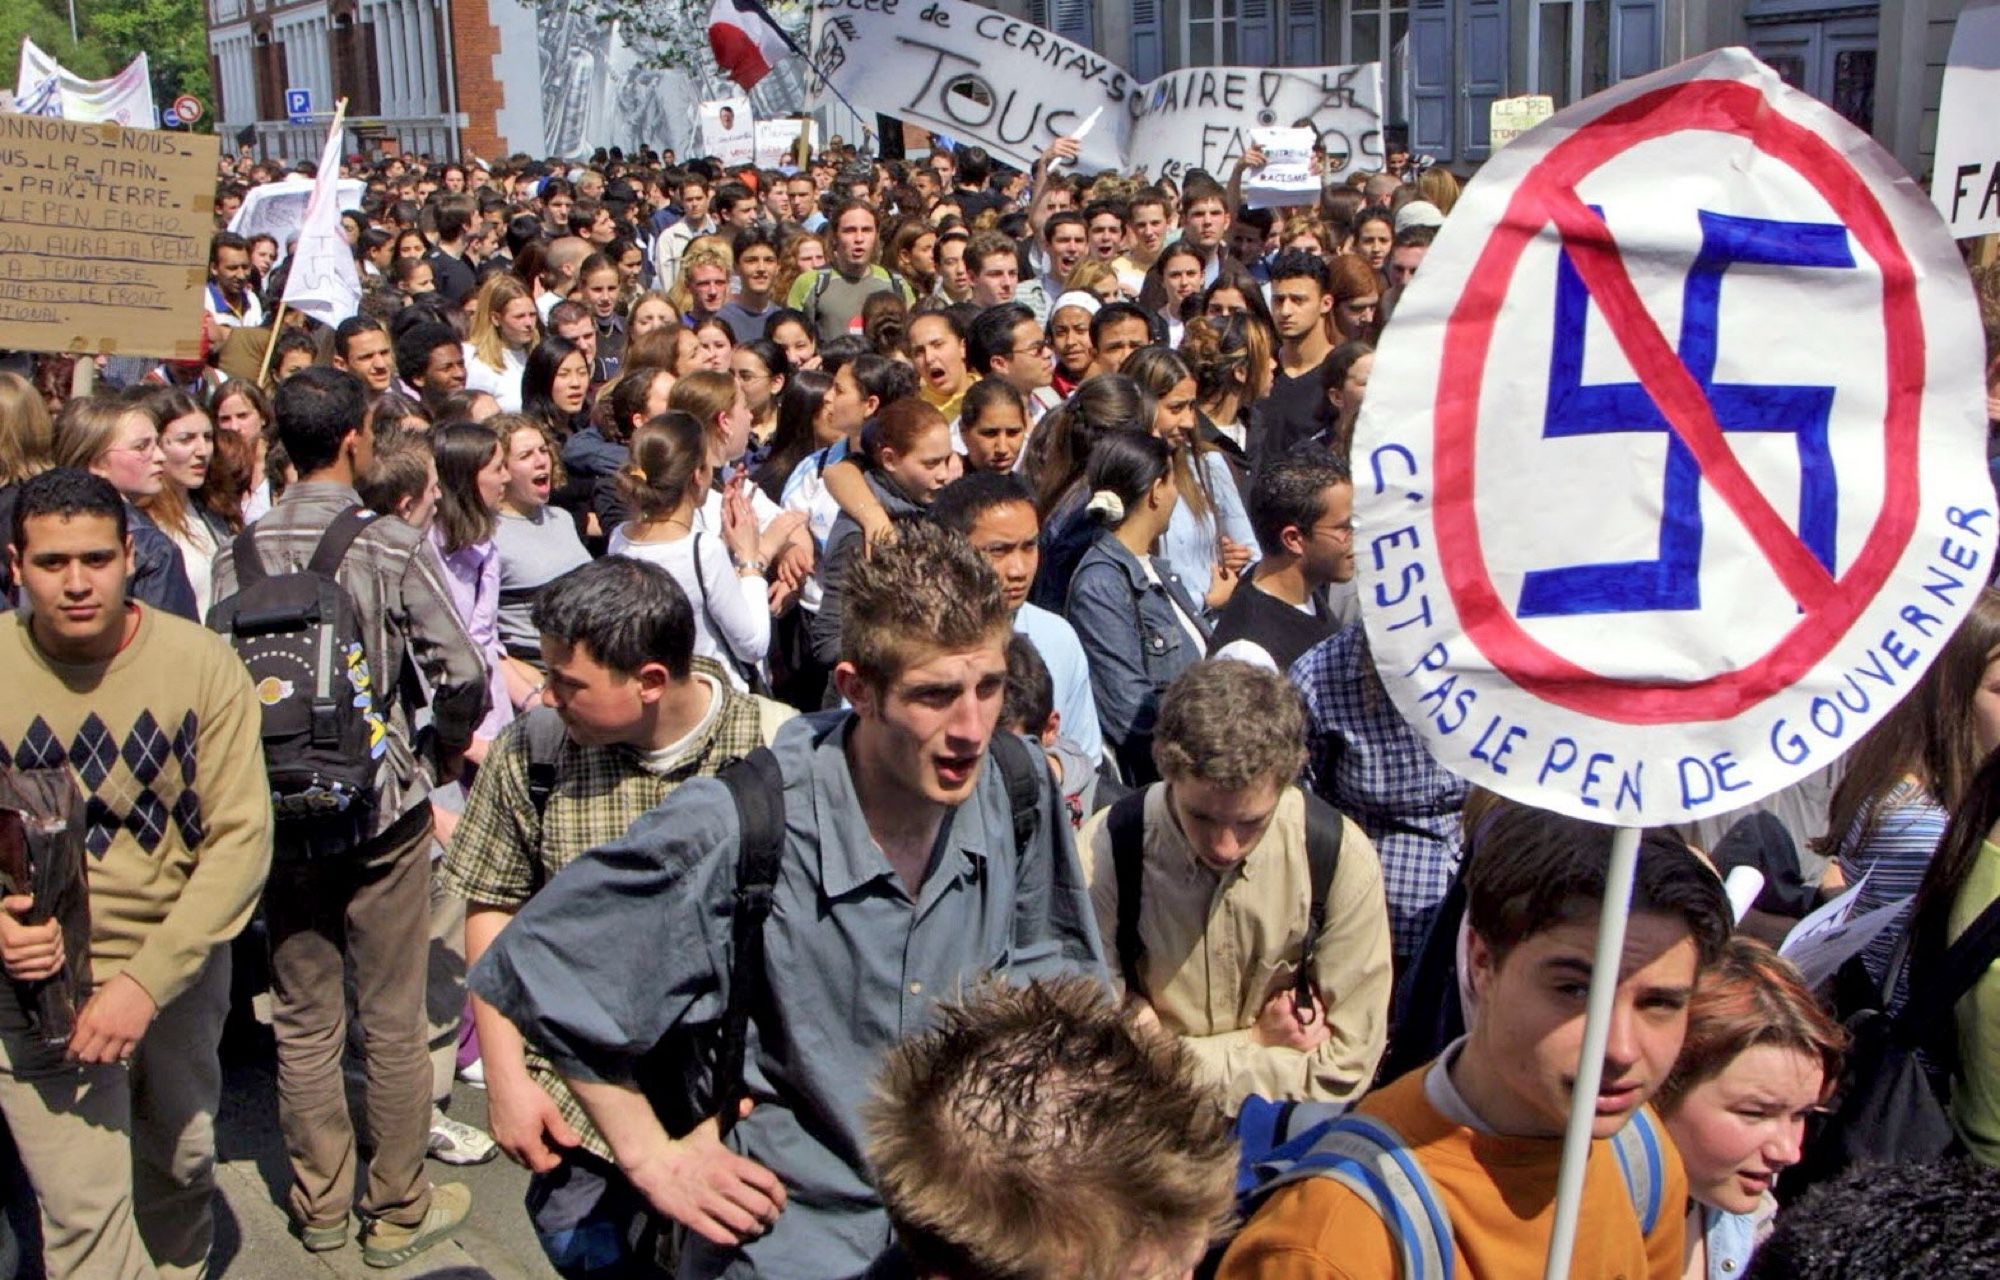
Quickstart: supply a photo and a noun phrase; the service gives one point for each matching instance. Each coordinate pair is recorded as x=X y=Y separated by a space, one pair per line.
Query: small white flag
x=322 y=281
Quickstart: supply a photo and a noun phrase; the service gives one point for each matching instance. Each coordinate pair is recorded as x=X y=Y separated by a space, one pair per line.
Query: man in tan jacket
x=1259 y=935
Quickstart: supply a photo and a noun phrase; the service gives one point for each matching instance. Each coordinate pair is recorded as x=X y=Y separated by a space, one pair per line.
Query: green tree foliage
x=173 y=32
x=47 y=25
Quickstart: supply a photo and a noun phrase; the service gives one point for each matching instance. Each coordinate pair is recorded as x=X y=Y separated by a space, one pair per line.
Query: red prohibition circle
x=1547 y=193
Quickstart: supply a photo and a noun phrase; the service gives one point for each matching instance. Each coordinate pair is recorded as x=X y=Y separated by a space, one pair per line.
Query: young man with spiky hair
x=910 y=865
x=1038 y=1133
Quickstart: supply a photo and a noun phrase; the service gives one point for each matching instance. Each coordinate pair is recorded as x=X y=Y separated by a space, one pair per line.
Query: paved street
x=254 y=1242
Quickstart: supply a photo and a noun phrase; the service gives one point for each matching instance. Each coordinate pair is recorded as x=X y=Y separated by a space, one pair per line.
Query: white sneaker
x=474 y=1073
x=454 y=1142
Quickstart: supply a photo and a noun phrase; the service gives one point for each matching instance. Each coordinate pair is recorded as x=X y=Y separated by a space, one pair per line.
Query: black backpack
x=300 y=635
x=1892 y=1103
x=1127 y=825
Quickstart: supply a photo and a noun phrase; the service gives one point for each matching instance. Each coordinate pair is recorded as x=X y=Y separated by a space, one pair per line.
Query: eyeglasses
x=142 y=449
x=1345 y=529
x=1038 y=347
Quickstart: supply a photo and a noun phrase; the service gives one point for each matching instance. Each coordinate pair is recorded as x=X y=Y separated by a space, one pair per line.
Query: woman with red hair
x=1760 y=1056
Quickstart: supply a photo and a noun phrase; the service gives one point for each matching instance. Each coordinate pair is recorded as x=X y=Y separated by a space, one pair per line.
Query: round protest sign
x=1671 y=477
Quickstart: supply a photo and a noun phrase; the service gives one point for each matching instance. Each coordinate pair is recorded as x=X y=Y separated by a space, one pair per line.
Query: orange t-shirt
x=1500 y=1194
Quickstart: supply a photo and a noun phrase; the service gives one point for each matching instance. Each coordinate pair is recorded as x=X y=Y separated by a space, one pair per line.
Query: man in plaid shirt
x=641 y=716
x=1362 y=759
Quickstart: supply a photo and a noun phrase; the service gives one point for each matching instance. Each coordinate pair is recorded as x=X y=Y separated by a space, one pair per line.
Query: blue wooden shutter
x=1148 y=41
x=1256 y=42
x=1299 y=38
x=1072 y=21
x=1482 y=51
x=1430 y=79
x=1635 y=38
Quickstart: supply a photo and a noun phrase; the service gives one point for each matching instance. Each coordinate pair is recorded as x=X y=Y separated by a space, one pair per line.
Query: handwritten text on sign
x=1647 y=564
x=104 y=237
x=1012 y=87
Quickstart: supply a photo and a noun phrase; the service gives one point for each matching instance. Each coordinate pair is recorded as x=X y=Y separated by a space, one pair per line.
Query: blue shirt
x=1364 y=760
x=1069 y=676
x=632 y=940
x=1192 y=543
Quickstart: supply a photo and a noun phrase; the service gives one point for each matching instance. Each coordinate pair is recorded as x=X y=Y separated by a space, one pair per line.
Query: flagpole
x=278 y=318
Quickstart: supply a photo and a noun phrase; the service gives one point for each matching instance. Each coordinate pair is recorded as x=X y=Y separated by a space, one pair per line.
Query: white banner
x=44 y=88
x=777 y=141
x=1965 y=178
x=278 y=209
x=1623 y=556
x=728 y=132
x=322 y=280
x=985 y=77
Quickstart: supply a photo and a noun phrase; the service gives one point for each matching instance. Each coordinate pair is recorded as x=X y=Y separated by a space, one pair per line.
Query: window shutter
x=1072 y=21
x=1148 y=41
x=1258 y=38
x=1635 y=38
x=1482 y=73
x=1300 y=37
x=1431 y=80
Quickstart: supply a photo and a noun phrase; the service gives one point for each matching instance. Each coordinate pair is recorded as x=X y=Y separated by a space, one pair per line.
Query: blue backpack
x=1286 y=1142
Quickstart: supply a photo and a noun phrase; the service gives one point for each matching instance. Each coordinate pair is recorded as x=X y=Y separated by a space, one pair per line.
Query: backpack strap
x=1324 y=830
x=333 y=544
x=243 y=555
x=544 y=733
x=1024 y=785
x=1127 y=825
x=757 y=786
x=1637 y=1147
x=1964 y=962
x=1369 y=1158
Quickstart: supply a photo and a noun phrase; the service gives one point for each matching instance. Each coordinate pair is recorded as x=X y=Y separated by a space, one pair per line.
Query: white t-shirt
x=732 y=615
x=504 y=385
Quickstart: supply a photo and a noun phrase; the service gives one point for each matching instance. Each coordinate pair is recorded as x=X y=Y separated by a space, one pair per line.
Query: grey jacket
x=407 y=617
x=843 y=543
x=1135 y=643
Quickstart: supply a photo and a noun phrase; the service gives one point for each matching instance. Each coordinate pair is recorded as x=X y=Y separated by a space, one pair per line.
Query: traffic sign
x=169 y=120
x=1647 y=525
x=187 y=108
x=299 y=105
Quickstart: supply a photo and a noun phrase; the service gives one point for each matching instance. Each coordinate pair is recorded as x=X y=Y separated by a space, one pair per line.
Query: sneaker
x=455 y=1142
x=474 y=1073
x=323 y=1239
x=384 y=1244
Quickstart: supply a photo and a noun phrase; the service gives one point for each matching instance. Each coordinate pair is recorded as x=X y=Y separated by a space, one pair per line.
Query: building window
x=1211 y=32
x=1569 y=53
x=1373 y=29
x=1854 y=86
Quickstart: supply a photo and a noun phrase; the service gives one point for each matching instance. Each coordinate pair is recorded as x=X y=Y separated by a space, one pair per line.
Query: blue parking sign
x=299 y=105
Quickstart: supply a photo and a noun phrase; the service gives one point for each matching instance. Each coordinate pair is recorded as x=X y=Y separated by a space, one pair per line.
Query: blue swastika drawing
x=1673 y=581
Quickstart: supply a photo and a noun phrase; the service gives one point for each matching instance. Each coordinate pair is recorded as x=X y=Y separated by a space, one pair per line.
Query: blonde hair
x=26 y=434
x=495 y=296
x=1088 y=274
x=85 y=429
x=1036 y=1131
x=703 y=253
x=705 y=393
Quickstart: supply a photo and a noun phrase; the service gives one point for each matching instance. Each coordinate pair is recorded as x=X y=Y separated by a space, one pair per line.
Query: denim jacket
x=1135 y=643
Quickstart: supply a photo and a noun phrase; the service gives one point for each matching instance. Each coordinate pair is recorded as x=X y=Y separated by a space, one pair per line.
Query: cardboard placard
x=104 y=235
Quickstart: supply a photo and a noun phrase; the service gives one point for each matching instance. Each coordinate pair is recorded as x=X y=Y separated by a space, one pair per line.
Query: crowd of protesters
x=876 y=768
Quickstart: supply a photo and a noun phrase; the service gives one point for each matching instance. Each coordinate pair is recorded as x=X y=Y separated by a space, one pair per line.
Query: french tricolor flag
x=746 y=40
